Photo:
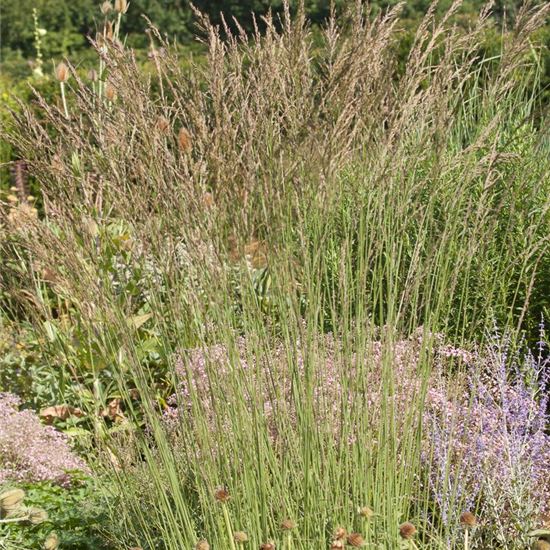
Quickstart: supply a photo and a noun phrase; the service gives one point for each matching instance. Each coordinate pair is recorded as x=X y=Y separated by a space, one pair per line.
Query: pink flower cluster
x=30 y=451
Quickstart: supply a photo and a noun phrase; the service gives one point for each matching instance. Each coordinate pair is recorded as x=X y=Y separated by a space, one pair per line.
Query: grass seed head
x=407 y=531
x=356 y=540
x=202 y=545
x=288 y=525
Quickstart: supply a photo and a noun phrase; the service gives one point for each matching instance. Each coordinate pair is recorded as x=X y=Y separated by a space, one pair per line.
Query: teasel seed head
x=288 y=525
x=62 y=72
x=163 y=125
x=121 y=6
x=355 y=540
x=241 y=537
x=110 y=92
x=337 y=545
x=339 y=534
x=106 y=7
x=106 y=29
x=37 y=516
x=366 y=512
x=407 y=531
x=184 y=140
x=10 y=501
x=202 y=545
x=221 y=495
x=467 y=519
x=51 y=542
x=267 y=546
x=92 y=75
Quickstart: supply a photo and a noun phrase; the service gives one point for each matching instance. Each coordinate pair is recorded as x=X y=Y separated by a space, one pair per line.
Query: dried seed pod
x=339 y=534
x=106 y=7
x=62 y=72
x=241 y=537
x=288 y=525
x=366 y=512
x=10 y=501
x=37 y=516
x=51 y=542
x=467 y=519
x=337 y=545
x=355 y=540
x=106 y=29
x=407 y=531
x=267 y=546
x=92 y=75
x=184 y=140
x=110 y=92
x=202 y=545
x=121 y=6
x=221 y=495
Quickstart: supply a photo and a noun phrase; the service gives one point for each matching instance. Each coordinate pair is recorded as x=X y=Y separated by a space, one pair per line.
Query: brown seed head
x=110 y=92
x=407 y=531
x=62 y=72
x=106 y=7
x=467 y=519
x=202 y=545
x=366 y=512
x=163 y=125
x=37 y=516
x=542 y=544
x=288 y=525
x=267 y=546
x=241 y=537
x=92 y=75
x=355 y=540
x=339 y=534
x=337 y=545
x=221 y=495
x=121 y=6
x=184 y=140
x=106 y=29
x=11 y=500
x=51 y=542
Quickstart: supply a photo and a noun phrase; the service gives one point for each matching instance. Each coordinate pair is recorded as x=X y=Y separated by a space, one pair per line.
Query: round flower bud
x=92 y=75
x=110 y=92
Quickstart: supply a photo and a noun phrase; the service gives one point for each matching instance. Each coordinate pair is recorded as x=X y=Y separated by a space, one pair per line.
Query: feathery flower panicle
x=184 y=140
x=241 y=537
x=355 y=540
x=202 y=545
x=407 y=531
x=467 y=519
x=62 y=72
